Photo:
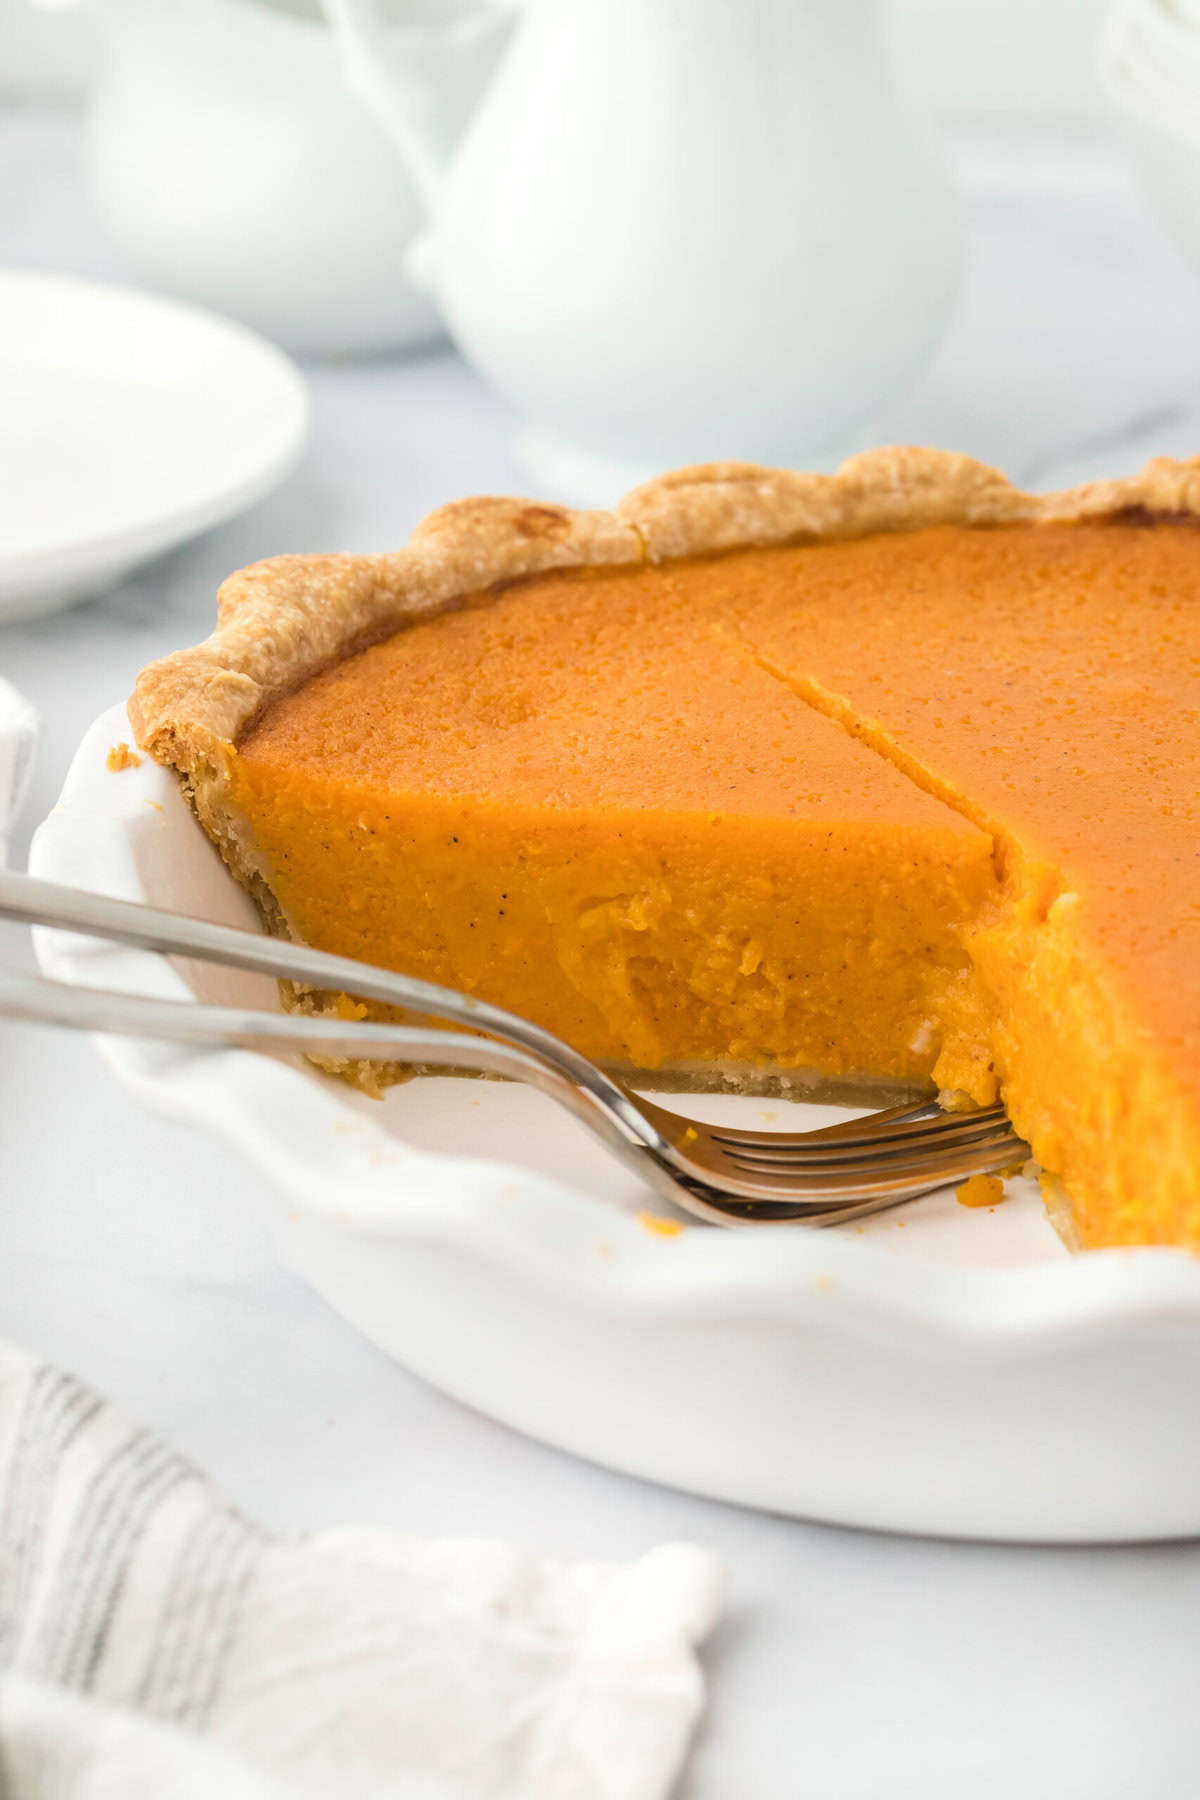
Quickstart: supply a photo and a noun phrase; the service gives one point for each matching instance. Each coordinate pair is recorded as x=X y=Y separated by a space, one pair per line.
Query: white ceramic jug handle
x=399 y=102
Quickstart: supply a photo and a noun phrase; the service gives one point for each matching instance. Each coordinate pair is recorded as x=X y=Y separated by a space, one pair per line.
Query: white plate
x=940 y=1370
x=127 y=424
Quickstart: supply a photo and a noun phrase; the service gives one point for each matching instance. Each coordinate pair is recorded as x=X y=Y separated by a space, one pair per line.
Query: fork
x=716 y=1172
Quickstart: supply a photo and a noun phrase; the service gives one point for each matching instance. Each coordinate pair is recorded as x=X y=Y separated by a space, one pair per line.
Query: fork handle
x=36 y=1000
x=35 y=902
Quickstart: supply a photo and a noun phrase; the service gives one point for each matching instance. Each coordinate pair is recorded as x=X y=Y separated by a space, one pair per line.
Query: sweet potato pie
x=885 y=779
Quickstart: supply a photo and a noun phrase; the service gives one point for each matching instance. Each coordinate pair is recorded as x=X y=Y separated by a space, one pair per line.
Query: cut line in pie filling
x=911 y=809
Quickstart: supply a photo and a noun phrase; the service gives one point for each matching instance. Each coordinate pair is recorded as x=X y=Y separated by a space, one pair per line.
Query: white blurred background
x=1027 y=60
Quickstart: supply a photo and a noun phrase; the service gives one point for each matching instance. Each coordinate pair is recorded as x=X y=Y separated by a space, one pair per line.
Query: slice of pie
x=764 y=780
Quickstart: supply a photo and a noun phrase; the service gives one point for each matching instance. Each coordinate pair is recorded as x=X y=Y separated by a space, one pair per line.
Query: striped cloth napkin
x=157 y=1645
x=154 y=1642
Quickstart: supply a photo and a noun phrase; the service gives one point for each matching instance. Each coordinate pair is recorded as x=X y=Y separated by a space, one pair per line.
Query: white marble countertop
x=849 y=1664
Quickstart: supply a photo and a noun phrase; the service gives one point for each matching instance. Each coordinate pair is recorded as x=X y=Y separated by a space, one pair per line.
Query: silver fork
x=719 y=1173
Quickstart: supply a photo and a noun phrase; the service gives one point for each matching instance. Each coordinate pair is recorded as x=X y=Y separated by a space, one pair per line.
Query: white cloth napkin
x=156 y=1643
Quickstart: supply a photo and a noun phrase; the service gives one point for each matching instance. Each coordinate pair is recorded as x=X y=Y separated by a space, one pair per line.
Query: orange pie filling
x=910 y=809
x=587 y=803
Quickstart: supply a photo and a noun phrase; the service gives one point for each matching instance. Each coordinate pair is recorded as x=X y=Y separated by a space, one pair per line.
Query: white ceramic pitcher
x=678 y=230
x=232 y=167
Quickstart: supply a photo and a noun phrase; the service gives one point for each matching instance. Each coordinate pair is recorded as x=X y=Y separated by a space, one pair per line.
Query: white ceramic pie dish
x=937 y=1370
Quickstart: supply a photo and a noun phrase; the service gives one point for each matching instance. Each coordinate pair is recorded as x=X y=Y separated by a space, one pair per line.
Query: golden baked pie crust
x=282 y=620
